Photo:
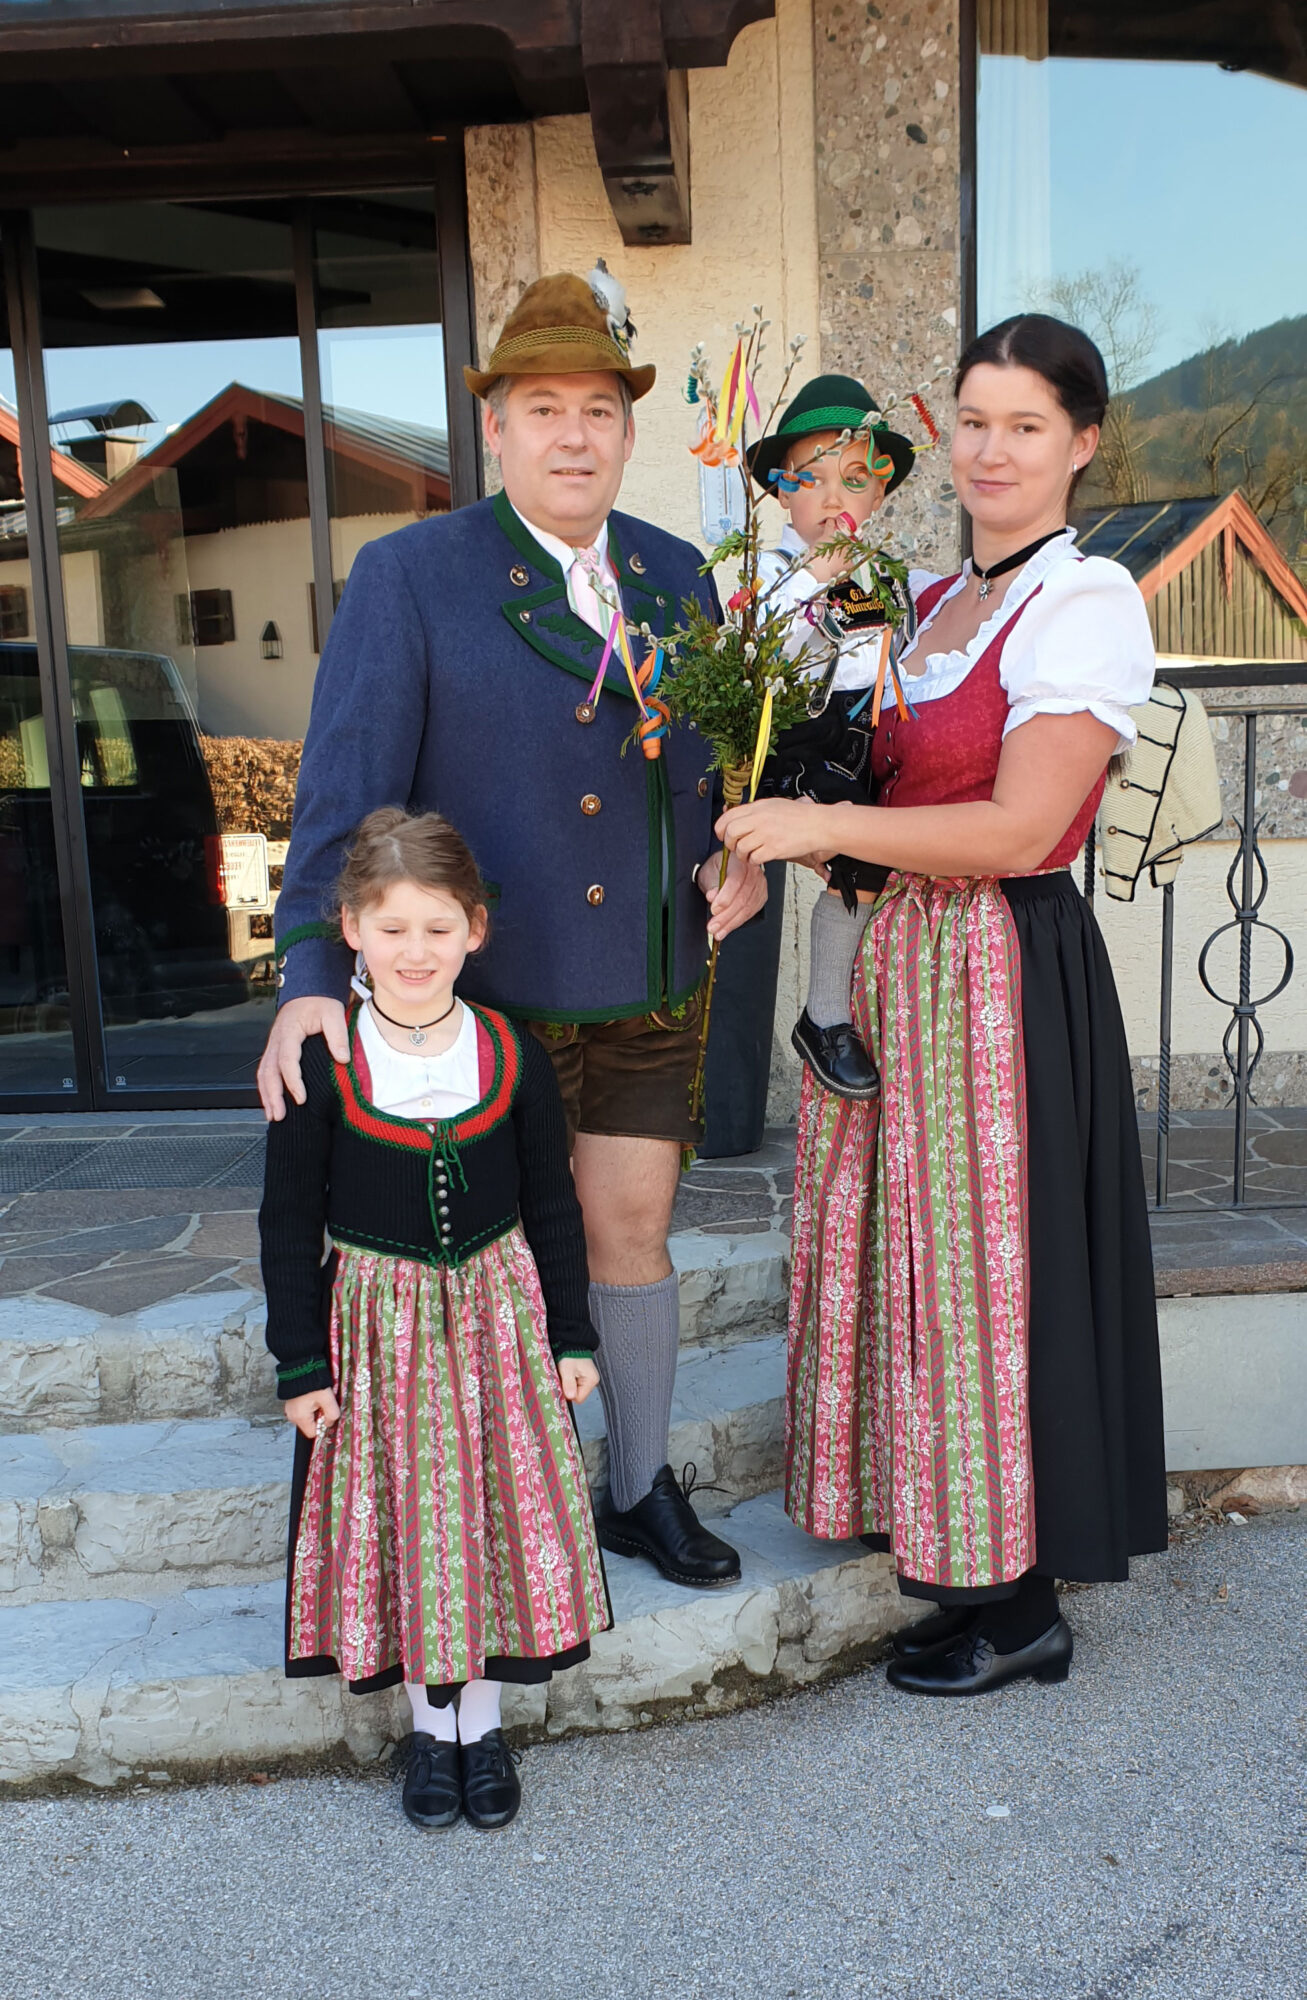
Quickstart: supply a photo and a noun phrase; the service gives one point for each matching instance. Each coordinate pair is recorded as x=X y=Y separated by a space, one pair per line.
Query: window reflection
x=1139 y=200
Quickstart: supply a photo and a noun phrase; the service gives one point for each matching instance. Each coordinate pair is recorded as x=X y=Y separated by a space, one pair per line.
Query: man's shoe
x=971 y=1666
x=837 y=1058
x=927 y=1633
x=433 y=1789
x=664 y=1528
x=492 y=1790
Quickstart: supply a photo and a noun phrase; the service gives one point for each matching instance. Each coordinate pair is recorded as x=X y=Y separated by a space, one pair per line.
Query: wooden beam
x=639 y=114
x=365 y=97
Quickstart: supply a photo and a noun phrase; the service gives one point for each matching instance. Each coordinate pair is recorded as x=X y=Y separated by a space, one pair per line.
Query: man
x=457 y=677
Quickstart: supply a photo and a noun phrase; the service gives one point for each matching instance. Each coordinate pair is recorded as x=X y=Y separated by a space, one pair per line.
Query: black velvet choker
x=1010 y=562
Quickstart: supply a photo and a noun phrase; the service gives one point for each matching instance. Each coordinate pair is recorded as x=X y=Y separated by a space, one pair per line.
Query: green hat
x=828 y=403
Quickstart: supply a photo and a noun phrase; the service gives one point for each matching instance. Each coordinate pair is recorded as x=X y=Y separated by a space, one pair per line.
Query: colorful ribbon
x=763 y=744
x=655 y=715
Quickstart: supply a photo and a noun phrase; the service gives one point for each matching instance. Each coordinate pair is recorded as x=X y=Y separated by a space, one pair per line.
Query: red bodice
x=947 y=754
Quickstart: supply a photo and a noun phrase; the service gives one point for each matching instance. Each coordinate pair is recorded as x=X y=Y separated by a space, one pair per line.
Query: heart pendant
x=417 y=1038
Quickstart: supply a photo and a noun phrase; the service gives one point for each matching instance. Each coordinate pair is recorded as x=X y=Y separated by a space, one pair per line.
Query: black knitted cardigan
x=434 y=1192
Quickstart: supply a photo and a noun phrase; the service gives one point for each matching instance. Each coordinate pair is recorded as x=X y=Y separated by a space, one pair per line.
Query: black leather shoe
x=927 y=1633
x=836 y=1058
x=971 y=1666
x=433 y=1789
x=492 y=1790
x=664 y=1528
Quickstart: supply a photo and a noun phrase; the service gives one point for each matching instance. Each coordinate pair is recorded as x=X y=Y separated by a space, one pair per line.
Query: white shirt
x=1084 y=645
x=582 y=600
x=413 y=1084
x=858 y=663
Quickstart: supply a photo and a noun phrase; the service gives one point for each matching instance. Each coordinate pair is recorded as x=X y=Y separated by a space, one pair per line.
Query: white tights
x=467 y=1721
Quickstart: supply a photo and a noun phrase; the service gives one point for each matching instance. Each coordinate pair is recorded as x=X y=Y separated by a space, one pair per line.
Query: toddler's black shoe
x=836 y=1058
x=433 y=1786
x=492 y=1790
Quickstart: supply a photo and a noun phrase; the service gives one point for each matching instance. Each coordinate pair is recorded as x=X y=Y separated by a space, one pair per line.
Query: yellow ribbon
x=763 y=744
x=732 y=402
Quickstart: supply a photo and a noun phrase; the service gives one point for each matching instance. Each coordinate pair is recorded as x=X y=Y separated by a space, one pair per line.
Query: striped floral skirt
x=973 y=1366
x=444 y=1523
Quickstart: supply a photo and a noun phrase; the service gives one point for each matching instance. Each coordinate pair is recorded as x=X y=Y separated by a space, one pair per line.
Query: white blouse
x=412 y=1084
x=1084 y=645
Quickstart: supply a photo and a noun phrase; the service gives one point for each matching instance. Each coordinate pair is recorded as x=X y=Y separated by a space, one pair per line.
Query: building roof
x=69 y=472
x=378 y=443
x=1157 y=539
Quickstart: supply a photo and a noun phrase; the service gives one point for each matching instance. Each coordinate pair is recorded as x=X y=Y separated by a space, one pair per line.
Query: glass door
x=236 y=396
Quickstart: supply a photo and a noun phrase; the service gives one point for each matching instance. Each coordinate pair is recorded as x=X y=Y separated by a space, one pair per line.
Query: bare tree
x=1111 y=306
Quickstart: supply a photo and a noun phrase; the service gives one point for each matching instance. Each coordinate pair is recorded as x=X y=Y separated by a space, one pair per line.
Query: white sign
x=244 y=877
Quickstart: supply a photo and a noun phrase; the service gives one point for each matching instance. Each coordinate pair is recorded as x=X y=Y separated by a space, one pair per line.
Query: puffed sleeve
x=1082 y=643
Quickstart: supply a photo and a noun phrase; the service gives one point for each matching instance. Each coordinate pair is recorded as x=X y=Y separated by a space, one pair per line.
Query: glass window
x=36 y=1047
x=381 y=355
x=173 y=385
x=1145 y=200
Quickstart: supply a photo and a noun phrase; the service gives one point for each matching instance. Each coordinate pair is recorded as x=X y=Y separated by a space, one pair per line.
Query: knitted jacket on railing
x=434 y=1192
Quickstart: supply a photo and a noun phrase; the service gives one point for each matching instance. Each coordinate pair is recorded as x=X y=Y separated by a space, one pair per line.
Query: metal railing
x=1246 y=886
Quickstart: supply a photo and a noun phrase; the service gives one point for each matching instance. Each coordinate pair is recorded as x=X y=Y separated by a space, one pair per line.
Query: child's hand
x=304 y=1411
x=578 y=1378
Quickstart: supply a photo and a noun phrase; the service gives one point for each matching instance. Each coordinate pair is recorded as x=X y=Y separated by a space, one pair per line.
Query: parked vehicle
x=161 y=930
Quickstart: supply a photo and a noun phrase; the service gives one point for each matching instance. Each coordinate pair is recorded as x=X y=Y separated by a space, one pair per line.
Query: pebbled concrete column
x=886 y=81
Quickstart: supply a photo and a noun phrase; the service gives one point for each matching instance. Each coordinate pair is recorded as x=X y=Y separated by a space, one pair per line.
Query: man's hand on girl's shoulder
x=279 y=1066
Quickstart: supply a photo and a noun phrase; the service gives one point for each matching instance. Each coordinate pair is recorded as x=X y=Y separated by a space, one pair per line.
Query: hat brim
x=770 y=452
x=564 y=359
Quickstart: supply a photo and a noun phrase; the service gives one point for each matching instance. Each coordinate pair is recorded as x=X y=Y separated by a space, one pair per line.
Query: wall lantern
x=270 y=642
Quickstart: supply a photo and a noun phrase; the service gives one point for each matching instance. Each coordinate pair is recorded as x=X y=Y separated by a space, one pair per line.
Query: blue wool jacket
x=454 y=679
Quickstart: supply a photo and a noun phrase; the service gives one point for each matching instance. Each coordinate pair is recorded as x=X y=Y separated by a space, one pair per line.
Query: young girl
x=441 y=1531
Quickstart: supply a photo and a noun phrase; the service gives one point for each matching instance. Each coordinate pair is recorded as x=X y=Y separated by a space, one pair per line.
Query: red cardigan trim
x=499 y=1065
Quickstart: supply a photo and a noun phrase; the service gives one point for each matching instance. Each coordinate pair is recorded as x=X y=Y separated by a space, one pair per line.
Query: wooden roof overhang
x=102 y=99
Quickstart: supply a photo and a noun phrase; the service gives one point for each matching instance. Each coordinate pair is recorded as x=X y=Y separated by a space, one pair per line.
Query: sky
x=1193 y=175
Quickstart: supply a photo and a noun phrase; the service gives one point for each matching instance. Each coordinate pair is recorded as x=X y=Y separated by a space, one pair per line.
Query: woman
x=974 y=1381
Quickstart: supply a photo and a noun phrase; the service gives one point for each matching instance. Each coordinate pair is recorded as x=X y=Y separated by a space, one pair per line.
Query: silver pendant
x=985 y=588
x=417 y=1037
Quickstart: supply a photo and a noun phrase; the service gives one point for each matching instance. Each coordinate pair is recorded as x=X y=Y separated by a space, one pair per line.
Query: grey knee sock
x=836 y=937
x=639 y=1328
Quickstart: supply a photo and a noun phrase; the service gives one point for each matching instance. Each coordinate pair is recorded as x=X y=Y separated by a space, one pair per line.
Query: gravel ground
x=1139 y=1831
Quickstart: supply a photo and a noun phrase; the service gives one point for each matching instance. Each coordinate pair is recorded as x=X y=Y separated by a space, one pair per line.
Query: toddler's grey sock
x=836 y=940
x=639 y=1328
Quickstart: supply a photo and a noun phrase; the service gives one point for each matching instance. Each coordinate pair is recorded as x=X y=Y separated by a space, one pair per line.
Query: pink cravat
x=582 y=588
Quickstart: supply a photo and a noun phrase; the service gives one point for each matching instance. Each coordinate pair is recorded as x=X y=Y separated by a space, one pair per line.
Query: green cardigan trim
x=302 y=932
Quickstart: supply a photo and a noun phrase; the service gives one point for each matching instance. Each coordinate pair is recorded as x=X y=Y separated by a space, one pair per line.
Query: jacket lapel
x=540 y=613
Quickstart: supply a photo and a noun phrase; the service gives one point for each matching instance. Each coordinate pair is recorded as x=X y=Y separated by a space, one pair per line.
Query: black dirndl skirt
x=1097 y=1451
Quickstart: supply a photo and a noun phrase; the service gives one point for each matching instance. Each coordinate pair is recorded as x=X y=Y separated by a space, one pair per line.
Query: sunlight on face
x=562 y=448
x=1015 y=449
x=414 y=942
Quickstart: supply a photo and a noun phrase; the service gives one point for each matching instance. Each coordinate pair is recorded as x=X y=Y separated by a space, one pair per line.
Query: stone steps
x=202 y=1354
x=187 y=1682
x=82 y=1506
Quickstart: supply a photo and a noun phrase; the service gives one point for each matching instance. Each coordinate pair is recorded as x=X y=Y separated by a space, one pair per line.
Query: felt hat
x=562 y=325
x=829 y=403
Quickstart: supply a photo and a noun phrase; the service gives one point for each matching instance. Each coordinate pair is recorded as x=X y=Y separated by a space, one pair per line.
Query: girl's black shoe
x=492 y=1790
x=433 y=1786
x=836 y=1058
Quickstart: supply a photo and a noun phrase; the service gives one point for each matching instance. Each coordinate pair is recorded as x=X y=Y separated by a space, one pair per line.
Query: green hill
x=1234 y=414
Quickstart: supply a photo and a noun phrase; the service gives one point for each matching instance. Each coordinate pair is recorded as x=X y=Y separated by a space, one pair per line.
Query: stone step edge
x=803 y=1611
x=201 y=1354
x=727 y=1421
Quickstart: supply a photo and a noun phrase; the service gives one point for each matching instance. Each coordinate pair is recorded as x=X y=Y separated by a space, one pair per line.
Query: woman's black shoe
x=971 y=1666
x=433 y=1789
x=836 y=1058
x=664 y=1528
x=927 y=1633
x=492 y=1790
